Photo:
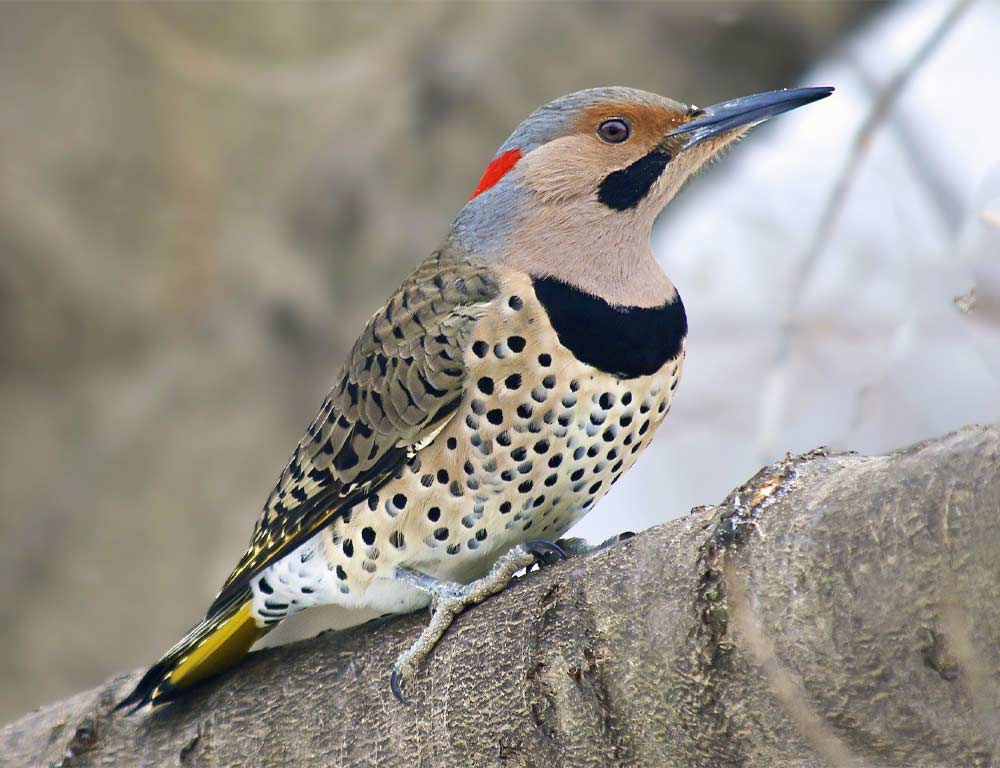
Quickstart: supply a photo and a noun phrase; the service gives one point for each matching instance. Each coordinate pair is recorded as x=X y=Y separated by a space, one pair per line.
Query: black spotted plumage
x=403 y=378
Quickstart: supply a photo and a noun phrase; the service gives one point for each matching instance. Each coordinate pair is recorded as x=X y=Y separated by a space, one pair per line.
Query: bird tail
x=211 y=647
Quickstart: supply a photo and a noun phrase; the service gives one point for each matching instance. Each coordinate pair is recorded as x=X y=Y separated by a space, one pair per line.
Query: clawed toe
x=395 y=684
x=616 y=539
x=545 y=552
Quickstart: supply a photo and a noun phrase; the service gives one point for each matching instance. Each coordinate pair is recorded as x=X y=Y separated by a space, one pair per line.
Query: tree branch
x=835 y=610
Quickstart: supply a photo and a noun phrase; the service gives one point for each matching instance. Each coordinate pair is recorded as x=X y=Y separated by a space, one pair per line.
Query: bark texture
x=835 y=610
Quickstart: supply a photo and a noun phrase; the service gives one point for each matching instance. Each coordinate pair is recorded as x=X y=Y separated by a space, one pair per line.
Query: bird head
x=574 y=190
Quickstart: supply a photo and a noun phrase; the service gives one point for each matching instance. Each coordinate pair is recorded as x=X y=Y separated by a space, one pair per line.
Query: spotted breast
x=562 y=394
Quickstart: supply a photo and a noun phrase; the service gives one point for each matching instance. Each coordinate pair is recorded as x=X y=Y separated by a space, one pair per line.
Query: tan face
x=574 y=191
x=636 y=170
x=597 y=190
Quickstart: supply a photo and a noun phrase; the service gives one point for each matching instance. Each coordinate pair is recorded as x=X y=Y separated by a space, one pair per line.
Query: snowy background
x=865 y=346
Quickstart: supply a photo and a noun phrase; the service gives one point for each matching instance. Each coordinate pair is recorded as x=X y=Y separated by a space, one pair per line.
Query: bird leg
x=449 y=598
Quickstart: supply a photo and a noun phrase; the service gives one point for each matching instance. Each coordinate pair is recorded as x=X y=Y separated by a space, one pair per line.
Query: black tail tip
x=153 y=687
x=136 y=700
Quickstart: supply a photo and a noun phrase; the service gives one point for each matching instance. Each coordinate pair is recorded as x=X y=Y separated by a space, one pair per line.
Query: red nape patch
x=497 y=169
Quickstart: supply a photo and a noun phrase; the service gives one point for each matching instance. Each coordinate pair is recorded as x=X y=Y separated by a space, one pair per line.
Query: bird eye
x=614 y=131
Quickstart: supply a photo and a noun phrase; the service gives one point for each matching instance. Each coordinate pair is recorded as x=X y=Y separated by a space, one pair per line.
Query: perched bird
x=496 y=396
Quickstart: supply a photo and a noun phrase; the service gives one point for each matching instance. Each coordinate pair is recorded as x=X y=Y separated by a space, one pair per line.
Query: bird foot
x=449 y=598
x=575 y=547
x=545 y=552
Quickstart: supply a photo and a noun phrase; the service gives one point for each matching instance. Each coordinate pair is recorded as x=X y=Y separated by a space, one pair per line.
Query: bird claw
x=576 y=547
x=544 y=552
x=395 y=682
x=616 y=539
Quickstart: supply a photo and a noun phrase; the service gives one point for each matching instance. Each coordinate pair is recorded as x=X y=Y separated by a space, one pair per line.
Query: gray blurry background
x=200 y=205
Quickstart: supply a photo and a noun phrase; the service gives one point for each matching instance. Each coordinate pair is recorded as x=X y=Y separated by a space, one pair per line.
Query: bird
x=496 y=396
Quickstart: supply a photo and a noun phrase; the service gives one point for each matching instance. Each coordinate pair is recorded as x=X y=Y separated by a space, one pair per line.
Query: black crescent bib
x=625 y=341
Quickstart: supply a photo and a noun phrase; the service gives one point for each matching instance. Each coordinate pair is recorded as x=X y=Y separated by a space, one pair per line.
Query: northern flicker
x=497 y=395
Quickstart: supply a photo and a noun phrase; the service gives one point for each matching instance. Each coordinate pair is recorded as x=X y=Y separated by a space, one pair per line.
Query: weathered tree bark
x=837 y=609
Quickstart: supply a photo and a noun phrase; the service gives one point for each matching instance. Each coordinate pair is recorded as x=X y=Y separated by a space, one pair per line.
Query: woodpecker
x=496 y=396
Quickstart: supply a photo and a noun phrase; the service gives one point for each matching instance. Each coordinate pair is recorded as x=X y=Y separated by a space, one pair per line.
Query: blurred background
x=201 y=204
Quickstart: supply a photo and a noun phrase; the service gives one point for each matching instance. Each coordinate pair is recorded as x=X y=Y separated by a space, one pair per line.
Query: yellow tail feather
x=226 y=645
x=213 y=646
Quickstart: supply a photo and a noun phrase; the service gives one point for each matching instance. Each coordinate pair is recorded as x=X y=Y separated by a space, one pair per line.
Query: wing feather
x=402 y=381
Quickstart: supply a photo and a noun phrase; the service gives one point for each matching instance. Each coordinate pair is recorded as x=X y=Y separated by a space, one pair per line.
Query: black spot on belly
x=625 y=341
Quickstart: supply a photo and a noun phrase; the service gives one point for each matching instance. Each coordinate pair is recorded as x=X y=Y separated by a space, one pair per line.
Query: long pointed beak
x=745 y=111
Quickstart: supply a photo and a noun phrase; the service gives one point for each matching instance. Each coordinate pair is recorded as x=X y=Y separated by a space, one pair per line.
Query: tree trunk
x=835 y=610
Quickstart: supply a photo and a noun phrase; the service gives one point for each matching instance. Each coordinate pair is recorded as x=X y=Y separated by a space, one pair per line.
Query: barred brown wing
x=402 y=381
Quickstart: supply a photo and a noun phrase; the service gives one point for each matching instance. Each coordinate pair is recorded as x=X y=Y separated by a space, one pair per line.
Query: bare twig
x=861 y=144
x=881 y=109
